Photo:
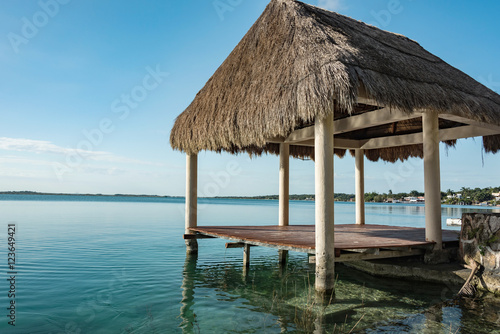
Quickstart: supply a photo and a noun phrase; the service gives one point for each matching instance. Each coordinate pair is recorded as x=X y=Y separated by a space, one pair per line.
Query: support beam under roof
x=409 y=139
x=467 y=131
x=493 y=127
x=371 y=119
x=353 y=123
x=418 y=138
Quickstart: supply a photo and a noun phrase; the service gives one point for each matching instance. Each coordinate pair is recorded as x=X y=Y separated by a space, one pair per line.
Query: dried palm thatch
x=298 y=62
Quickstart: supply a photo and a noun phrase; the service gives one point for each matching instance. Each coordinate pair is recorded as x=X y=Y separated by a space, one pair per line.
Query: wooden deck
x=374 y=241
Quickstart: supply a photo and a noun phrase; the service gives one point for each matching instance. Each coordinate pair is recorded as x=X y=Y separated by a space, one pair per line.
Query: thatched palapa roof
x=299 y=61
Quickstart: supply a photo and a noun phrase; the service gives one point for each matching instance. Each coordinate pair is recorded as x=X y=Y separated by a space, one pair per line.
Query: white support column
x=284 y=193
x=360 y=186
x=284 y=184
x=325 y=249
x=191 y=200
x=432 y=178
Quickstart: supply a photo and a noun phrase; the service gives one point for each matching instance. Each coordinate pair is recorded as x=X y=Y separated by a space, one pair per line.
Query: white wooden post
x=284 y=193
x=284 y=184
x=432 y=178
x=360 y=186
x=325 y=249
x=191 y=200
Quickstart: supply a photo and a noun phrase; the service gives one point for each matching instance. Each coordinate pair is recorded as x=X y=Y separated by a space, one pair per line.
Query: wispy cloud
x=16 y=172
x=29 y=145
x=46 y=147
x=12 y=166
x=331 y=4
x=23 y=161
x=15 y=166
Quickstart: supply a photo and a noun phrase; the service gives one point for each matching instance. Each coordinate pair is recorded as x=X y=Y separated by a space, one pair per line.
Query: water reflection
x=276 y=300
x=188 y=287
x=433 y=315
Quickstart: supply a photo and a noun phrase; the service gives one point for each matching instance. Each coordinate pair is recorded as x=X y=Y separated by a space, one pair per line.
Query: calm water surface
x=118 y=265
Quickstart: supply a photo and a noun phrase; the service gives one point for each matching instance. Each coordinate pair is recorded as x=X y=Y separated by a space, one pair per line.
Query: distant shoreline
x=34 y=193
x=304 y=198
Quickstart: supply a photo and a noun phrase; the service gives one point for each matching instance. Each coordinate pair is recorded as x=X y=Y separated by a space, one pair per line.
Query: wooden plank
x=418 y=138
x=459 y=119
x=371 y=119
x=465 y=132
x=381 y=255
x=236 y=244
x=301 y=135
x=401 y=249
x=229 y=235
x=368 y=101
x=346 y=257
x=338 y=143
x=348 y=124
x=196 y=236
x=393 y=141
x=350 y=144
x=364 y=250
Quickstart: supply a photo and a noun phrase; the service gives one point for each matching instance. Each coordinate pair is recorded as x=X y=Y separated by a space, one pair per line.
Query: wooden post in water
x=191 y=200
x=433 y=232
x=282 y=257
x=284 y=193
x=246 y=256
x=324 y=231
x=360 y=186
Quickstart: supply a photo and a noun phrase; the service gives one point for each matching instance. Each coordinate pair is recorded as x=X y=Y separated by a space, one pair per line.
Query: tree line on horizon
x=465 y=196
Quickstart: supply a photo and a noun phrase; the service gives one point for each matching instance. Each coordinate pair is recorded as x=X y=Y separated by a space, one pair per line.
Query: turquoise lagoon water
x=118 y=265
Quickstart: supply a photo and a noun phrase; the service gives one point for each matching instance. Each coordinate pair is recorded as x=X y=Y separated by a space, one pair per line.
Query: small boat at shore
x=454 y=222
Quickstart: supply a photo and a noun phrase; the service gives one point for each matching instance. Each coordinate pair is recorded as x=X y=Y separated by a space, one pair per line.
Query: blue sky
x=90 y=89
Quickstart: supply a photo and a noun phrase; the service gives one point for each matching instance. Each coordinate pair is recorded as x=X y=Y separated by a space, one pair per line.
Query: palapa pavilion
x=309 y=83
